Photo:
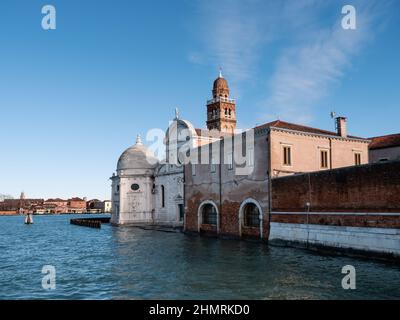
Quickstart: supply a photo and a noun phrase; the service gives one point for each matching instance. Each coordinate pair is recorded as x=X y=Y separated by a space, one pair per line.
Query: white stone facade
x=147 y=191
x=169 y=194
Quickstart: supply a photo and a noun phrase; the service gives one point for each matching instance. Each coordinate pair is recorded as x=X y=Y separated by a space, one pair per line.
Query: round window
x=135 y=187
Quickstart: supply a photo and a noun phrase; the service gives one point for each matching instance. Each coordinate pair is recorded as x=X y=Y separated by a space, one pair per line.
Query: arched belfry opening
x=221 y=109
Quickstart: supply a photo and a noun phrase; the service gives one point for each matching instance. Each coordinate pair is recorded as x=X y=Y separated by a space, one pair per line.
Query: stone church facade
x=148 y=191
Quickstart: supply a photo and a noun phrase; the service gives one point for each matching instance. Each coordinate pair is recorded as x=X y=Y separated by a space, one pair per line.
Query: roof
x=205 y=133
x=389 y=141
x=76 y=199
x=137 y=157
x=56 y=200
x=220 y=82
x=298 y=127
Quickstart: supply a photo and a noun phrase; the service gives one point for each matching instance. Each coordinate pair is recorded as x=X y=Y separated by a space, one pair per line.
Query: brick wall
x=367 y=188
x=341 y=220
x=228 y=190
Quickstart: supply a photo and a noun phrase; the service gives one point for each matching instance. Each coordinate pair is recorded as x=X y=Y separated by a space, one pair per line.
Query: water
x=130 y=263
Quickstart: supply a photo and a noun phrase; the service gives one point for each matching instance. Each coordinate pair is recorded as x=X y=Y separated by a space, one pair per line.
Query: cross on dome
x=138 y=140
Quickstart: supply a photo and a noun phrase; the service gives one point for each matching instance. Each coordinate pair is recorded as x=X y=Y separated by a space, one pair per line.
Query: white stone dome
x=137 y=157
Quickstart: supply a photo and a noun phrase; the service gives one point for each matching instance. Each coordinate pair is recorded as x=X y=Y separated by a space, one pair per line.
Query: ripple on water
x=130 y=263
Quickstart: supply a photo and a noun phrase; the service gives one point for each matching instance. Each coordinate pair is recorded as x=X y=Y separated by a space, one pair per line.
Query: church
x=146 y=190
x=174 y=192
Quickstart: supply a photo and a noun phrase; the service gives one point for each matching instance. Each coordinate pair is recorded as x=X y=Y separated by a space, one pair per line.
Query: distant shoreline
x=5 y=214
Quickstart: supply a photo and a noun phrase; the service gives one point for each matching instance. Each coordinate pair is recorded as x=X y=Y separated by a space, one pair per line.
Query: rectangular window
x=213 y=167
x=230 y=160
x=357 y=158
x=162 y=196
x=250 y=157
x=287 y=156
x=181 y=212
x=324 y=159
x=193 y=169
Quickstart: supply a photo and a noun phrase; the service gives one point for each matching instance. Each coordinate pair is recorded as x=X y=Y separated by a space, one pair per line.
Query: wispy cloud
x=306 y=72
x=304 y=40
x=231 y=35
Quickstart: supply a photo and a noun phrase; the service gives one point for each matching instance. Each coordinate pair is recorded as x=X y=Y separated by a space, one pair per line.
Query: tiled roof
x=389 y=141
x=298 y=127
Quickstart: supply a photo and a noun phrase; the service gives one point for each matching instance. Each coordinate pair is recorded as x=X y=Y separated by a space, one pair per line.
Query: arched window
x=251 y=215
x=209 y=214
x=162 y=196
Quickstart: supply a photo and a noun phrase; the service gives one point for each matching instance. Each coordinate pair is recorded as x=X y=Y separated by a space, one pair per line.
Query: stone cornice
x=304 y=133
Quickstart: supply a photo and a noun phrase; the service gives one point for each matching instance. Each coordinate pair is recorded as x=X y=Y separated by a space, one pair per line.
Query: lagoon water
x=131 y=263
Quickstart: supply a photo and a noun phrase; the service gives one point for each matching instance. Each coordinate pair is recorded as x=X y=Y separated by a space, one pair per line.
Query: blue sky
x=72 y=99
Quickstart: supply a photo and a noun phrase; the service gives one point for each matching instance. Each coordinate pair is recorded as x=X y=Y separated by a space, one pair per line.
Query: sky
x=74 y=98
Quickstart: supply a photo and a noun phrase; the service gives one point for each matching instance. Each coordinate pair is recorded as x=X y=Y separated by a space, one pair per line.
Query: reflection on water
x=130 y=263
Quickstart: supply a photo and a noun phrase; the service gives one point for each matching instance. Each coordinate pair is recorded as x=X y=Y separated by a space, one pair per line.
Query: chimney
x=341 y=126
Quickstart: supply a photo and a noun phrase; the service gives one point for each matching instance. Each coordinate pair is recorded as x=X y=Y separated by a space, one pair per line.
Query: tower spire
x=220 y=73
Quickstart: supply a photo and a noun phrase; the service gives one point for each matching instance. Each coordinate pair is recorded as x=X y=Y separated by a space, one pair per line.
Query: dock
x=90 y=222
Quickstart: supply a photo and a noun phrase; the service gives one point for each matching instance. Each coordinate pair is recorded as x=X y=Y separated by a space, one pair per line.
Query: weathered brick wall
x=342 y=220
x=367 y=188
x=234 y=188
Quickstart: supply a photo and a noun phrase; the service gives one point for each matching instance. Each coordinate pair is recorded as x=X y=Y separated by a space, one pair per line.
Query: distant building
x=26 y=205
x=76 y=205
x=384 y=148
x=107 y=206
x=55 y=206
x=98 y=206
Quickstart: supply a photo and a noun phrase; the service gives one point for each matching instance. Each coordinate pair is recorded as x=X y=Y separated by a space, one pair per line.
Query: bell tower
x=221 y=110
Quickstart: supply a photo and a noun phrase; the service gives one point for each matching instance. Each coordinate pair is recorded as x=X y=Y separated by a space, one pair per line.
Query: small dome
x=220 y=83
x=220 y=88
x=137 y=157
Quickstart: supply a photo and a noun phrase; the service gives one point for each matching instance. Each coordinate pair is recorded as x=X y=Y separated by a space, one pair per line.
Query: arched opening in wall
x=209 y=214
x=250 y=219
x=208 y=220
x=162 y=196
x=251 y=215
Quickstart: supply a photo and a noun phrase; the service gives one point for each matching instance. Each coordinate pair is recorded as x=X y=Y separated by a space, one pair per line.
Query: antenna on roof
x=333 y=116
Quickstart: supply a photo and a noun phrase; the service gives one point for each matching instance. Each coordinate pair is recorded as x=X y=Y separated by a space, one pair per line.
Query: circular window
x=135 y=187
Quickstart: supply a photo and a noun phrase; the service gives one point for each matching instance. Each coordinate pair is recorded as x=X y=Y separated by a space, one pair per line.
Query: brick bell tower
x=221 y=110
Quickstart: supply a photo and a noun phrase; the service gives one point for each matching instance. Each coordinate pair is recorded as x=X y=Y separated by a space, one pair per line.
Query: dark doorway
x=181 y=212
